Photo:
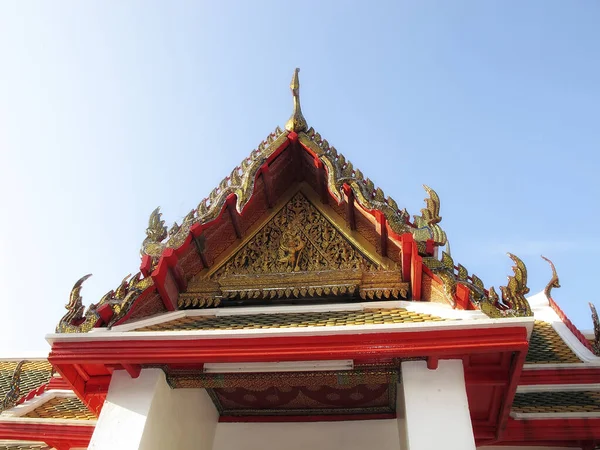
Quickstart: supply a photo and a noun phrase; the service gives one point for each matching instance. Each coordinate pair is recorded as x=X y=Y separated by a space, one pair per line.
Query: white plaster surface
x=347 y=435
x=436 y=409
x=144 y=413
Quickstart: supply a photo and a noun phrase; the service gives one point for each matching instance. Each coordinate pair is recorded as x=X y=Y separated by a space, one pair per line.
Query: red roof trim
x=441 y=343
x=582 y=375
x=572 y=328
x=69 y=435
x=169 y=258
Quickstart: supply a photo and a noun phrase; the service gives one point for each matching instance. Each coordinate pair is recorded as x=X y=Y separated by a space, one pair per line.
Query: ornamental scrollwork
x=79 y=320
x=155 y=234
x=513 y=302
x=340 y=171
x=297 y=239
x=14 y=391
x=240 y=182
x=298 y=253
x=596 y=321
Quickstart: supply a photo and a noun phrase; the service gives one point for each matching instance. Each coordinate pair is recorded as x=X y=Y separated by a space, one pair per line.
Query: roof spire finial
x=297 y=121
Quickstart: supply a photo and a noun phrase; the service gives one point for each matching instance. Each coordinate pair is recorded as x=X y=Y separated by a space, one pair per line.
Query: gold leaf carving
x=297 y=253
x=297 y=239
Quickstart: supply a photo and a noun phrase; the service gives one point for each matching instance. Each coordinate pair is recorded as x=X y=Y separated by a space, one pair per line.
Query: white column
x=436 y=410
x=146 y=414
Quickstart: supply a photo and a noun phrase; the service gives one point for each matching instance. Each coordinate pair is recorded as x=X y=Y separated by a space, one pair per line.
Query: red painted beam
x=234 y=215
x=321 y=180
x=381 y=229
x=267 y=185
x=560 y=376
x=169 y=279
x=440 y=343
x=432 y=362
x=350 y=212
x=406 y=247
x=548 y=430
x=416 y=272
x=486 y=377
x=462 y=296
x=133 y=370
x=198 y=239
x=516 y=368
x=62 y=434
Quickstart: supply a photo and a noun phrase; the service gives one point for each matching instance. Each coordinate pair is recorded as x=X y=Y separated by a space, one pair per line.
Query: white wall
x=348 y=435
x=436 y=408
x=145 y=414
x=180 y=419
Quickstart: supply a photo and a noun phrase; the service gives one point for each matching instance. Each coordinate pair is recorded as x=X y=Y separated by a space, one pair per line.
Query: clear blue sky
x=109 y=109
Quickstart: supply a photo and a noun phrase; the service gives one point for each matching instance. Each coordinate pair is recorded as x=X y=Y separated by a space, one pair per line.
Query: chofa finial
x=297 y=122
x=553 y=283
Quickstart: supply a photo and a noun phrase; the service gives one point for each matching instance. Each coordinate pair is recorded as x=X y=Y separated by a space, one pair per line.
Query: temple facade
x=297 y=306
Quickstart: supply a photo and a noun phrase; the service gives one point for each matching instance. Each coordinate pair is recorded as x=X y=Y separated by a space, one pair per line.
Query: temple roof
x=547 y=347
x=230 y=251
x=294 y=155
x=294 y=320
x=38 y=408
x=19 y=378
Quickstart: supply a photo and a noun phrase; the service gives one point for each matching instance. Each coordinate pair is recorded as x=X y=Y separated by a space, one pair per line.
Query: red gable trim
x=578 y=334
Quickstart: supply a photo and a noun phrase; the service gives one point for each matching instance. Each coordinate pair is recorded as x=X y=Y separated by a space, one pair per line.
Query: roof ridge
x=241 y=181
x=555 y=283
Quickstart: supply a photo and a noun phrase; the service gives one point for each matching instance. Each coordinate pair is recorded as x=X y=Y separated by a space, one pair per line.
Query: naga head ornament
x=554 y=282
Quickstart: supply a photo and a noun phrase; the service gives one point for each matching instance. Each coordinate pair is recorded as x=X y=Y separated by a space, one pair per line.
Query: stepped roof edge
x=342 y=181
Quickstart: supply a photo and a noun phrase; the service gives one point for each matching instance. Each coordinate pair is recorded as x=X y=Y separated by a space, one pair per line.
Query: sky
x=111 y=108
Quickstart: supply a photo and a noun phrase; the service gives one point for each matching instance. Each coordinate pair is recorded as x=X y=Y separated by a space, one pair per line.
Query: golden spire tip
x=297 y=122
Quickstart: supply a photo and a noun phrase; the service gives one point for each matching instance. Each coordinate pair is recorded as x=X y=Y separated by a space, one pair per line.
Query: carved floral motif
x=297 y=253
x=297 y=239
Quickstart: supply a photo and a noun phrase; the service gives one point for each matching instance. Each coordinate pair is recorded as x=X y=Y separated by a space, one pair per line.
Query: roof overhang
x=493 y=352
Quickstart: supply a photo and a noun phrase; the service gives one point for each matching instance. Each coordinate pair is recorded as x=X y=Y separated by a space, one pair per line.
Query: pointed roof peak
x=297 y=122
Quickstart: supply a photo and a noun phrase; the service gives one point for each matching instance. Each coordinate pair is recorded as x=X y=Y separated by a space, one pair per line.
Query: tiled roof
x=33 y=375
x=557 y=402
x=62 y=408
x=18 y=445
x=294 y=320
x=546 y=346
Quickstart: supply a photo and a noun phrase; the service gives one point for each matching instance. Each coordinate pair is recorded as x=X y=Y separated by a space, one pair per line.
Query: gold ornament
x=554 y=282
x=297 y=253
x=297 y=122
x=14 y=391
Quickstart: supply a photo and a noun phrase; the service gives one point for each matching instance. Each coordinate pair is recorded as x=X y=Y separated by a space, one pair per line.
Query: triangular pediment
x=300 y=250
x=299 y=238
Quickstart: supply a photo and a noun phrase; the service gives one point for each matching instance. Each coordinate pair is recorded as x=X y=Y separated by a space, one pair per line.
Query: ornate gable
x=297 y=239
x=298 y=252
x=301 y=253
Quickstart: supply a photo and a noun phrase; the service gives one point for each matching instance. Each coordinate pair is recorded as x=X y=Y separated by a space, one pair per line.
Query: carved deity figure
x=290 y=250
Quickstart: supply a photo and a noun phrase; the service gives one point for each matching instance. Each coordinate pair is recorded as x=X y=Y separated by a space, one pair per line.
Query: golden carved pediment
x=297 y=253
x=297 y=239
